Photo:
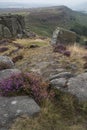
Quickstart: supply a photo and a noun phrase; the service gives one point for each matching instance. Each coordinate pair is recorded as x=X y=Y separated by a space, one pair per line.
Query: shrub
x=79 y=29
x=21 y=84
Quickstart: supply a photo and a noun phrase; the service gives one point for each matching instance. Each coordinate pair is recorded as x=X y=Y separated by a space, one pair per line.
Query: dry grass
x=49 y=119
x=28 y=42
x=77 y=51
x=75 y=62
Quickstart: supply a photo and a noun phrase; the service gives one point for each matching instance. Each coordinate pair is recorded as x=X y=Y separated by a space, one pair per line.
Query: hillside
x=44 y=20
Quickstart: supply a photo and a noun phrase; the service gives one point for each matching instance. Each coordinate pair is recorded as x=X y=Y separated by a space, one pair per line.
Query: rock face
x=11 y=26
x=63 y=36
x=5 y=74
x=75 y=85
x=12 y=107
x=78 y=86
x=6 y=63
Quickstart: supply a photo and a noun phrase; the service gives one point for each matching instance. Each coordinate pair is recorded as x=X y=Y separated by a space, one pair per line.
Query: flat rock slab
x=78 y=86
x=12 y=107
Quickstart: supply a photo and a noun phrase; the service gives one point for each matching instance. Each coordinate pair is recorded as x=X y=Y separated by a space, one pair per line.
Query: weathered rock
x=11 y=26
x=6 y=63
x=62 y=75
x=5 y=74
x=58 y=83
x=12 y=107
x=63 y=36
x=78 y=86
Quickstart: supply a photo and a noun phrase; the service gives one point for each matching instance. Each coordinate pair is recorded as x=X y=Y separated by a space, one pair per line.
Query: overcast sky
x=58 y=2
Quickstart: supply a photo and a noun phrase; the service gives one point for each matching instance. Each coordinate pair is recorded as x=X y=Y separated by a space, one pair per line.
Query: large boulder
x=11 y=26
x=6 y=63
x=63 y=36
x=5 y=74
x=78 y=86
x=74 y=85
x=12 y=107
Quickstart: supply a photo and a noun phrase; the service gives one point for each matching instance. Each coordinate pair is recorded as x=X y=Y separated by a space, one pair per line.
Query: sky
x=55 y=2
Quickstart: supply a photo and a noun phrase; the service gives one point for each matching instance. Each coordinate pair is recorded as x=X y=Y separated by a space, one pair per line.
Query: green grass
x=44 y=21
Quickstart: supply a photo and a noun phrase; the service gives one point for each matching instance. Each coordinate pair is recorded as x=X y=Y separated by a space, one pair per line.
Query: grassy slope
x=44 y=20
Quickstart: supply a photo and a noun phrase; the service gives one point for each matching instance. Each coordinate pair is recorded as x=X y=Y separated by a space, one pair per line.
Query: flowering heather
x=29 y=83
x=12 y=85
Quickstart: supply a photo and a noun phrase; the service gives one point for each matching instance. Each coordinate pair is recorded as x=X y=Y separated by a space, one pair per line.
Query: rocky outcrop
x=63 y=36
x=12 y=107
x=12 y=26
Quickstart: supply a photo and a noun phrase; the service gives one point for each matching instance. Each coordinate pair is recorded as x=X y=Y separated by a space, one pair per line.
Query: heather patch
x=25 y=84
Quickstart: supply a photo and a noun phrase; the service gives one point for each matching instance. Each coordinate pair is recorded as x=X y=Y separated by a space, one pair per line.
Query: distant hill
x=44 y=20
